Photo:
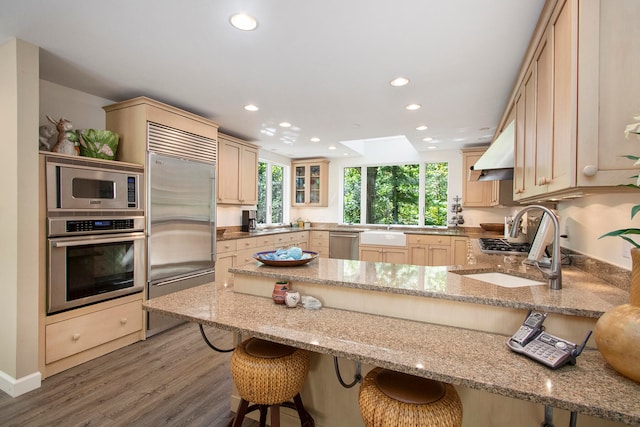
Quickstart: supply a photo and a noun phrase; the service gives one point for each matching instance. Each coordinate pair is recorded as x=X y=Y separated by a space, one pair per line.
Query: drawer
x=319 y=243
x=75 y=335
x=245 y=256
x=319 y=235
x=428 y=239
x=265 y=242
x=246 y=243
x=226 y=246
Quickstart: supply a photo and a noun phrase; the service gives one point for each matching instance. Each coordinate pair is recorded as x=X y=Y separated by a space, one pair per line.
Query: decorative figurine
x=46 y=134
x=67 y=138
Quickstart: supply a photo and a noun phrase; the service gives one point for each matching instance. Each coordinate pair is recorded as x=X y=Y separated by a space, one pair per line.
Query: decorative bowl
x=493 y=226
x=260 y=256
x=220 y=232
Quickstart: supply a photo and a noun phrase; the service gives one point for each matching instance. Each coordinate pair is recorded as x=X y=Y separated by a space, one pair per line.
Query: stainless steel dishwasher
x=343 y=245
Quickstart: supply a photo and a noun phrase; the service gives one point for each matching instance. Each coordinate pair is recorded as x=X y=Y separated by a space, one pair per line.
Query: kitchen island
x=374 y=314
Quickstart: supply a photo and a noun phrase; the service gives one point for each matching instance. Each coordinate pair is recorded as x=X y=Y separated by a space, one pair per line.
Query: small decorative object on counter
x=292 y=299
x=280 y=290
x=456 y=208
x=307 y=223
x=67 y=138
x=310 y=302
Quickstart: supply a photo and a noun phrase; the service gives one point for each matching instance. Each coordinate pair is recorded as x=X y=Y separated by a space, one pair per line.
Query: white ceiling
x=322 y=65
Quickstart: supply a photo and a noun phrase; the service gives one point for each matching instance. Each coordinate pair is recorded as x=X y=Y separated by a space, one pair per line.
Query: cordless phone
x=532 y=341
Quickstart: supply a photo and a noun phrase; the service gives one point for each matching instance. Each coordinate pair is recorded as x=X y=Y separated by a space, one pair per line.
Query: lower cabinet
x=392 y=254
x=319 y=242
x=429 y=249
x=76 y=336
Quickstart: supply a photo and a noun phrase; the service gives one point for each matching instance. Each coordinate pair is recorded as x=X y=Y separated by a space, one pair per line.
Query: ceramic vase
x=617 y=332
x=292 y=299
x=279 y=293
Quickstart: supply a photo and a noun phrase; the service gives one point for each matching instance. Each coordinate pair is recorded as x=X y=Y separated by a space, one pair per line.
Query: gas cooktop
x=502 y=246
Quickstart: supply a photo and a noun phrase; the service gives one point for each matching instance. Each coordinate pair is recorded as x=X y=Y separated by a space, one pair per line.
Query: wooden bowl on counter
x=493 y=226
x=220 y=232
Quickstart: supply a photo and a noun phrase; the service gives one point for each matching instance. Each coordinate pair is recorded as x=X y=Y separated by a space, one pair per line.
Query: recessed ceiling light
x=315 y=139
x=251 y=107
x=412 y=107
x=399 y=81
x=243 y=22
x=422 y=127
x=332 y=147
x=427 y=139
x=431 y=147
x=285 y=124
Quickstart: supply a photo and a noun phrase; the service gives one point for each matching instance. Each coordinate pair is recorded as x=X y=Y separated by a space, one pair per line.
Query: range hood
x=496 y=164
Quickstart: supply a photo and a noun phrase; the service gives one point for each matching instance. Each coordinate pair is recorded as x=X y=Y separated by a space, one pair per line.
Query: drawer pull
x=123 y=321
x=75 y=337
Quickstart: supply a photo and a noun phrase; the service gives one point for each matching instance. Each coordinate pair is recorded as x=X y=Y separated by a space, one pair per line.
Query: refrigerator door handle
x=178 y=279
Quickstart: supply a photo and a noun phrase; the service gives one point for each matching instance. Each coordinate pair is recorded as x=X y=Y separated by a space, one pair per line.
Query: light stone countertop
x=582 y=294
x=463 y=357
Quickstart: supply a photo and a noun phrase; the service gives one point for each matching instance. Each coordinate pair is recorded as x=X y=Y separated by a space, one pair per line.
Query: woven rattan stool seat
x=269 y=375
x=394 y=399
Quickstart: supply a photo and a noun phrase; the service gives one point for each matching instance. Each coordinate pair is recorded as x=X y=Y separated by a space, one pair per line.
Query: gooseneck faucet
x=554 y=273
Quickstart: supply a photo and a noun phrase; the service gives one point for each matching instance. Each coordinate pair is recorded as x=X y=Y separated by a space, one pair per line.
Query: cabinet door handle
x=123 y=321
x=75 y=337
x=544 y=181
x=590 y=170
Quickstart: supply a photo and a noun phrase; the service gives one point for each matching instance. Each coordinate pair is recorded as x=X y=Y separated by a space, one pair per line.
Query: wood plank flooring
x=171 y=379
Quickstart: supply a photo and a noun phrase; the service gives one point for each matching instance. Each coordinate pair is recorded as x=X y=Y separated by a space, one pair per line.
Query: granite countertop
x=449 y=231
x=464 y=357
x=582 y=293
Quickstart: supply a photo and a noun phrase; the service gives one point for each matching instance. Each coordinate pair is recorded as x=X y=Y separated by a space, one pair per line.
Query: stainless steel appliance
x=75 y=185
x=180 y=215
x=95 y=231
x=93 y=260
x=343 y=245
x=248 y=220
x=502 y=246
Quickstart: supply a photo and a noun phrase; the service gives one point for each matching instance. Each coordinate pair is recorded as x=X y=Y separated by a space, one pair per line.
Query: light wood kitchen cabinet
x=475 y=194
x=79 y=335
x=460 y=249
x=237 y=171
x=572 y=100
x=482 y=194
x=391 y=254
x=429 y=249
x=310 y=182
x=319 y=242
x=225 y=259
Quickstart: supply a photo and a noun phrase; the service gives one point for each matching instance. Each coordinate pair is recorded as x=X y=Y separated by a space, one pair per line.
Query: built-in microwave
x=85 y=185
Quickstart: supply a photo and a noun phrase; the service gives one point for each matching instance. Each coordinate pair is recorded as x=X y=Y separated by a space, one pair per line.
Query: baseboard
x=16 y=387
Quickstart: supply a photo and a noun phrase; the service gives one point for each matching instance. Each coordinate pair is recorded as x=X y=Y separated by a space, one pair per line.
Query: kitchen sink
x=383 y=238
x=505 y=280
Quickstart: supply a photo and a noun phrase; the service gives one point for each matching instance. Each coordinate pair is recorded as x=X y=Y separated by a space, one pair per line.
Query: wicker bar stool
x=269 y=375
x=394 y=399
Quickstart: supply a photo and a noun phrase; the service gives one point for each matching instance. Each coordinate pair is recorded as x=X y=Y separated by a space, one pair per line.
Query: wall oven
x=95 y=231
x=93 y=260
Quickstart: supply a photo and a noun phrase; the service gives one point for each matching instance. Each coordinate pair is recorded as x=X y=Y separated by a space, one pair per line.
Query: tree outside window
x=392 y=194
x=271 y=192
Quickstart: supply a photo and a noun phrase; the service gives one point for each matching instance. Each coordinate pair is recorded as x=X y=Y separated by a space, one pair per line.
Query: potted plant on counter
x=617 y=332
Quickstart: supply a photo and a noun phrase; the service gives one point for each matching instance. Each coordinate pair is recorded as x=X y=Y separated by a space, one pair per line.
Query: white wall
x=83 y=110
x=19 y=232
x=585 y=220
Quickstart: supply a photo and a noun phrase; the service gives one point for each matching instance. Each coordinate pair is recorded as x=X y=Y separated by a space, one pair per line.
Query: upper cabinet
x=131 y=119
x=310 y=182
x=574 y=97
x=482 y=194
x=237 y=171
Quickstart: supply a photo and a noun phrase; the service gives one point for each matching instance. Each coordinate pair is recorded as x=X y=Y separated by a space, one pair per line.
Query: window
x=272 y=190
x=414 y=194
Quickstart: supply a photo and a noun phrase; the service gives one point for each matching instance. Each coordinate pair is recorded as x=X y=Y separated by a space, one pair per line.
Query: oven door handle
x=122 y=238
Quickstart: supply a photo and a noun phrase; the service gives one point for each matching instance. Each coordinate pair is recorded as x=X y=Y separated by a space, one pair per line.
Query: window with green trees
x=392 y=194
x=271 y=191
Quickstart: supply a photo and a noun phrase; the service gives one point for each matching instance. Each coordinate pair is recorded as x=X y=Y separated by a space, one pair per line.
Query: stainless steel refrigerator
x=180 y=228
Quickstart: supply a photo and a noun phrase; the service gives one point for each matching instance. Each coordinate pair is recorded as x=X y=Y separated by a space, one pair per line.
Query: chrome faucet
x=554 y=273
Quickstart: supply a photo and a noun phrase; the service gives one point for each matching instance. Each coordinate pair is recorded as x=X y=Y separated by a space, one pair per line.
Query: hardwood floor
x=171 y=379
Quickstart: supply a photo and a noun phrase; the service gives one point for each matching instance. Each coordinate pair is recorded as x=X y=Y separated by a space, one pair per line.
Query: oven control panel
x=60 y=227
x=99 y=225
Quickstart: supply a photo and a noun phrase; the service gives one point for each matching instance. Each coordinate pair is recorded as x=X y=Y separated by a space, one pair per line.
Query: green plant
x=633 y=128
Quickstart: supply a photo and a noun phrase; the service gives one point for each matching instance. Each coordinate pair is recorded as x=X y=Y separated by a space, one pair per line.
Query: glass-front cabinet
x=310 y=182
